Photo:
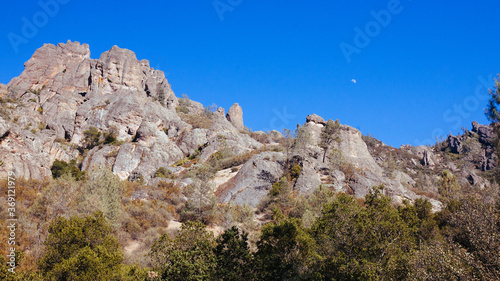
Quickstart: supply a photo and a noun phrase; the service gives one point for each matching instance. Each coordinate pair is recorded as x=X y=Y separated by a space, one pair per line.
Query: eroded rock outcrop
x=64 y=98
x=235 y=116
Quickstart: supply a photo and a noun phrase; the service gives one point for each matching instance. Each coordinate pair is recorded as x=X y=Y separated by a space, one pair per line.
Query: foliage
x=161 y=96
x=60 y=168
x=92 y=138
x=439 y=260
x=475 y=227
x=448 y=186
x=287 y=141
x=202 y=202
x=189 y=256
x=278 y=187
x=357 y=242
x=80 y=249
x=285 y=251
x=233 y=257
x=163 y=172
x=329 y=134
x=491 y=111
x=102 y=191
x=182 y=109
x=295 y=172
x=302 y=139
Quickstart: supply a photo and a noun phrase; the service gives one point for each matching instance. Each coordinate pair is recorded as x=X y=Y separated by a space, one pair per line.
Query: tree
x=448 y=186
x=81 y=249
x=302 y=139
x=491 y=111
x=475 y=227
x=102 y=191
x=439 y=260
x=329 y=134
x=92 y=138
x=201 y=204
x=189 y=256
x=288 y=142
x=234 y=260
x=362 y=242
x=60 y=168
x=286 y=251
x=161 y=96
x=493 y=114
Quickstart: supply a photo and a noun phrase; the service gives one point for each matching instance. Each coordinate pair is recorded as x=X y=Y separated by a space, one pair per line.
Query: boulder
x=427 y=159
x=455 y=144
x=275 y=135
x=315 y=119
x=486 y=133
x=235 y=116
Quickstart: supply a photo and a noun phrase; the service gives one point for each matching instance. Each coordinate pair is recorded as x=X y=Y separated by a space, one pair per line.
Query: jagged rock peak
x=50 y=61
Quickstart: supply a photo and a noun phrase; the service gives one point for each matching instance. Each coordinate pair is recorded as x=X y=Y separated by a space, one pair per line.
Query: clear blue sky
x=282 y=60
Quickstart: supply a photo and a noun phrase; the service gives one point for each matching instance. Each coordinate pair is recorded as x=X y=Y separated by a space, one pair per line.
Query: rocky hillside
x=118 y=112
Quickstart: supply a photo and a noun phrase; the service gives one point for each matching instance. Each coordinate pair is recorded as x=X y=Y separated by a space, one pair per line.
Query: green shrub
x=181 y=162
x=188 y=257
x=295 y=171
x=278 y=187
x=81 y=249
x=163 y=172
x=182 y=109
x=60 y=168
x=92 y=138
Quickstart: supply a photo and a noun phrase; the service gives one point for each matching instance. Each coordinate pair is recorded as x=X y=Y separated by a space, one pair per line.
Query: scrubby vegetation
x=320 y=236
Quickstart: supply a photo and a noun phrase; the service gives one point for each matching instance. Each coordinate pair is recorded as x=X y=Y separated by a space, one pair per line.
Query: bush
x=188 y=257
x=295 y=171
x=163 y=172
x=60 y=168
x=92 y=138
x=81 y=249
x=182 y=109
x=101 y=191
x=448 y=185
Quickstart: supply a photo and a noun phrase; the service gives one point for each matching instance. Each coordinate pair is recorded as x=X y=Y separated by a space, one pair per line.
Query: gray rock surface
x=455 y=144
x=316 y=119
x=68 y=92
x=427 y=159
x=426 y=154
x=63 y=93
x=309 y=178
x=247 y=187
x=4 y=127
x=235 y=116
x=223 y=134
x=486 y=133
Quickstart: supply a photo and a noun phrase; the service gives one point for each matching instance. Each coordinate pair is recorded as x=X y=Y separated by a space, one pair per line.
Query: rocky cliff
x=118 y=112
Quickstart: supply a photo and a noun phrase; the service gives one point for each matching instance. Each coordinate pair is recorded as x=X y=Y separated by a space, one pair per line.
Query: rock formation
x=235 y=116
x=64 y=98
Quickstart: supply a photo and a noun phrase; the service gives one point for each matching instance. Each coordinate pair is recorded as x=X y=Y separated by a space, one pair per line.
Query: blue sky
x=422 y=72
